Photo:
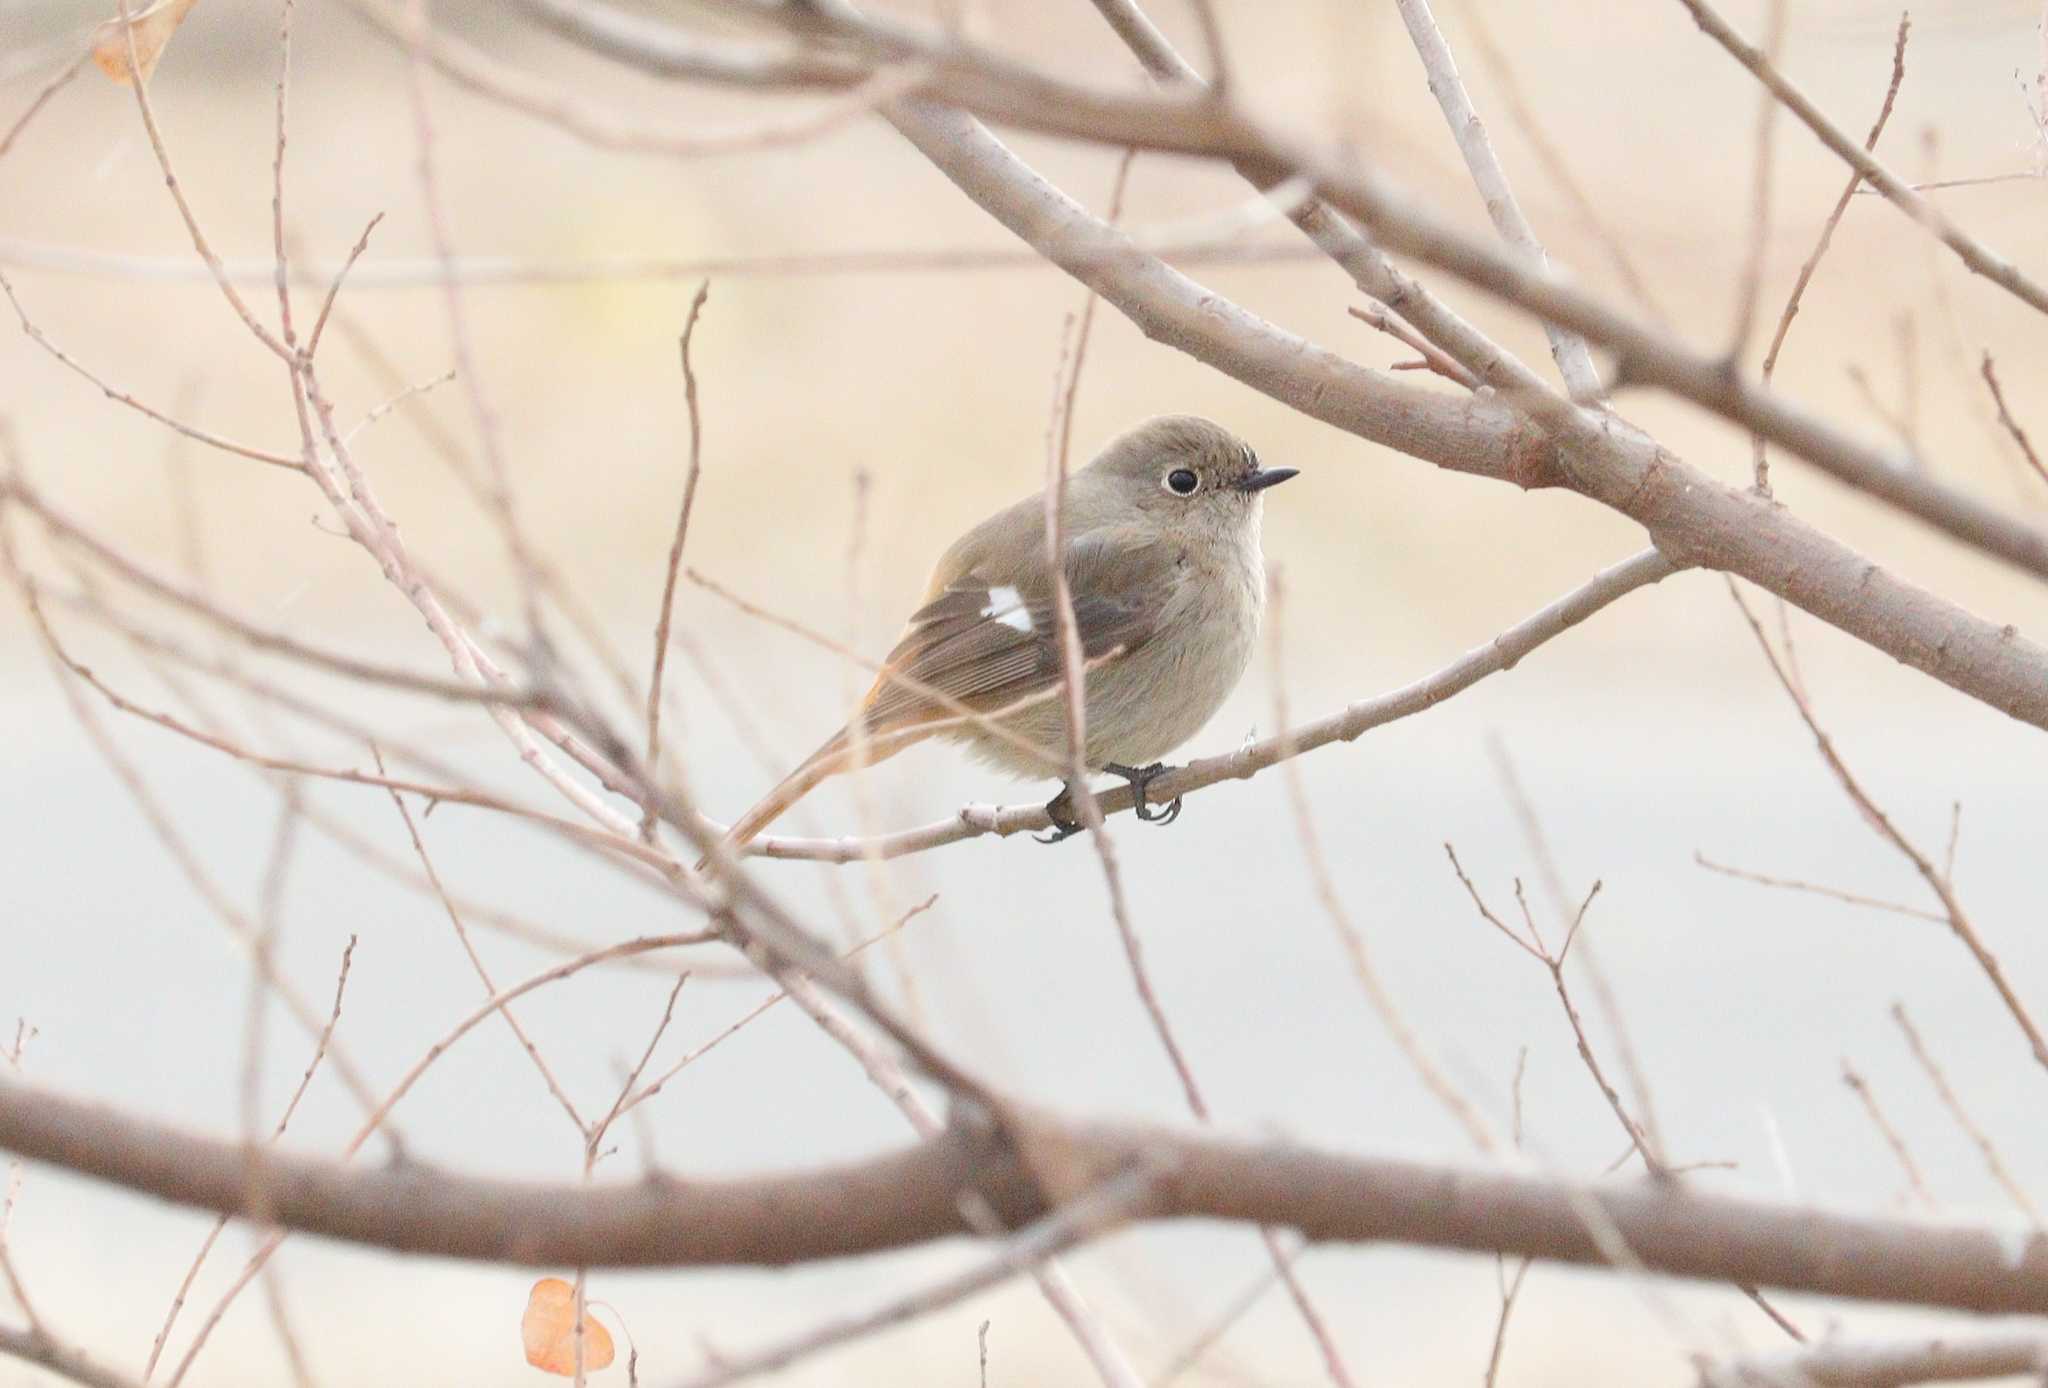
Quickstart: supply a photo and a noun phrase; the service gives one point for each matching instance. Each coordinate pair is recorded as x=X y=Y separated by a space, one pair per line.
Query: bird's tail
x=825 y=762
x=835 y=756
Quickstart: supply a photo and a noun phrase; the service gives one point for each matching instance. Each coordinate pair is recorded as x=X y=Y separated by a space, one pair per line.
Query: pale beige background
x=1650 y=733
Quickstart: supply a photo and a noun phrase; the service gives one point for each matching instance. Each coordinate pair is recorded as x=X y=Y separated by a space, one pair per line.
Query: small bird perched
x=1161 y=543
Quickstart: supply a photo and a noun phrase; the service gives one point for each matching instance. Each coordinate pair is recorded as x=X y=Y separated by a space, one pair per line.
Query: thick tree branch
x=1369 y=268
x=64 y=1360
x=1891 y=1364
x=912 y=1196
x=978 y=80
x=1692 y=518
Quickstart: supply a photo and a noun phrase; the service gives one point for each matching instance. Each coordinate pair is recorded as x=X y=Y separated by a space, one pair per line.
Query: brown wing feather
x=988 y=642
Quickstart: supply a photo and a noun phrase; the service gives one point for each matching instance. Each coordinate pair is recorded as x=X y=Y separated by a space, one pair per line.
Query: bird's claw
x=1059 y=810
x=1139 y=778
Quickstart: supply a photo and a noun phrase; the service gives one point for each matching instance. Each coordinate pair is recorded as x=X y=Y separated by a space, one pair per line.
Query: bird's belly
x=1143 y=708
x=1143 y=705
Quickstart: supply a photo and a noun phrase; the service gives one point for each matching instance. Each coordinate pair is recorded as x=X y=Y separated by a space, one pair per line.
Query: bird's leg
x=1141 y=777
x=1060 y=809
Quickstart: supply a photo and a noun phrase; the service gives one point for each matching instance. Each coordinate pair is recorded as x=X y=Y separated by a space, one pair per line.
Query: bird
x=1162 y=554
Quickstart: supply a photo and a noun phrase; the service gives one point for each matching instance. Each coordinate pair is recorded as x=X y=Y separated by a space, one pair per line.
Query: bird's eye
x=1182 y=482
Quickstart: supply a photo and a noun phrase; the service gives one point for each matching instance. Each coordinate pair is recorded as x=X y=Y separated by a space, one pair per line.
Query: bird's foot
x=1140 y=777
x=1060 y=809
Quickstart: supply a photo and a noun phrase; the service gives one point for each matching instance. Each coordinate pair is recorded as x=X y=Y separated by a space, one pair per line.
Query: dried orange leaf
x=152 y=26
x=549 y=1329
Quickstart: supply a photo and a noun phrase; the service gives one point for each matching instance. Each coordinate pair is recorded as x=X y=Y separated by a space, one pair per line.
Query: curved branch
x=912 y=1196
x=1692 y=518
x=1347 y=724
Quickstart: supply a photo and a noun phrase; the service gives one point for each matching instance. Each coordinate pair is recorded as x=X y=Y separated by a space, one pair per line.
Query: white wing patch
x=1006 y=605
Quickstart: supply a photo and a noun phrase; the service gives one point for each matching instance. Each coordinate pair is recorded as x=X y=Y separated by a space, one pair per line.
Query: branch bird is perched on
x=1162 y=557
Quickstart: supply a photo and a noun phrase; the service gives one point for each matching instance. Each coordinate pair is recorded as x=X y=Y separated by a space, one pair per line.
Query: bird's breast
x=1143 y=707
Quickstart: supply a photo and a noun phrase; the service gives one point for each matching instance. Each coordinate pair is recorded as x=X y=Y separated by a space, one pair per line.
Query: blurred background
x=854 y=421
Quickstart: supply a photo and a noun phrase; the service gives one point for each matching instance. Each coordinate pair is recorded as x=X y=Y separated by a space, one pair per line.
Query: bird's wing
x=987 y=638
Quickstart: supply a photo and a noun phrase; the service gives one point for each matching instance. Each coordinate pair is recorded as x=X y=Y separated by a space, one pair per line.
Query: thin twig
x=1832 y=893
x=1083 y=1217
x=379 y=1115
x=1980 y=258
x=1553 y=962
x=476 y=961
x=1944 y=889
x=156 y=1348
x=1562 y=903
x=1510 y=1288
x=1375 y=314
x=632 y=1076
x=1759 y=461
x=122 y=397
x=2009 y=424
x=641 y=1095
x=166 y=826
x=1993 y=1161
x=617 y=129
x=1239 y=1306
x=497 y=468
x=1111 y=1365
x=334 y=289
x=140 y=87
x=42 y=98
x=1750 y=285
x=675 y=548
x=1384 y=1004
x=1574 y=362
x=1860 y=1087
x=1530 y=127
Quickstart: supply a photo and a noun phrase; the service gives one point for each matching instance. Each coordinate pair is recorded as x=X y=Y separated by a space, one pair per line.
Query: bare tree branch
x=1827 y=236
x=1574 y=362
x=67 y=1361
x=1892 y=1364
x=1503 y=652
x=1980 y=258
x=1938 y=882
x=954 y=141
x=911 y=1196
x=675 y=548
x=1692 y=518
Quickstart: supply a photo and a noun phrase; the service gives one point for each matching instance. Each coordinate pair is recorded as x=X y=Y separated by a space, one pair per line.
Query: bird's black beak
x=1259 y=479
